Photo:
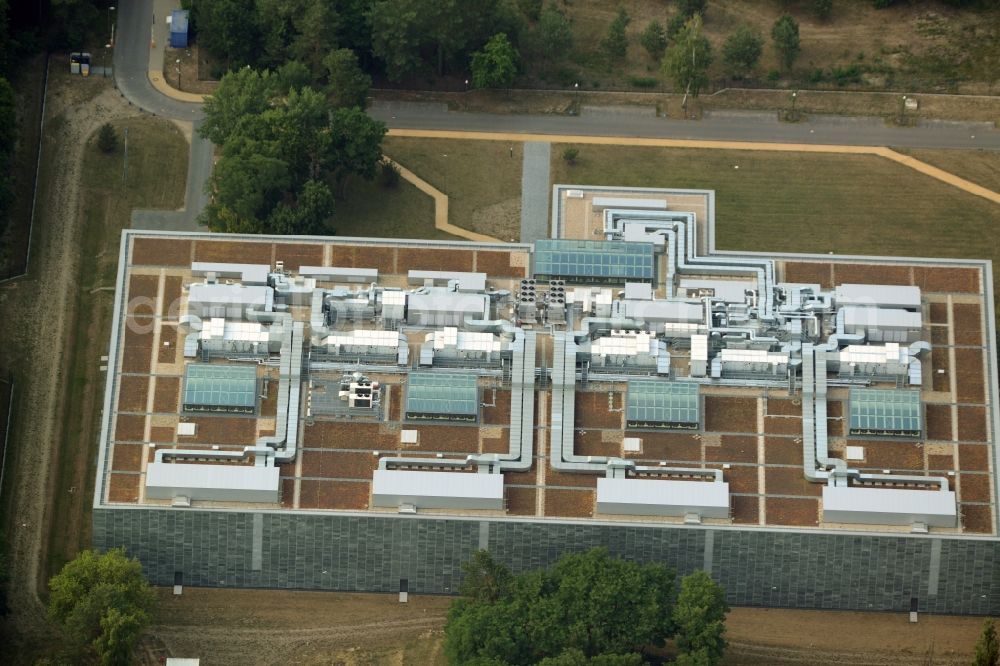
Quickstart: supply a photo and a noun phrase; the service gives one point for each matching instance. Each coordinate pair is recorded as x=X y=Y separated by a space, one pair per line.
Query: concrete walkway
x=535 y=190
x=887 y=153
x=441 y=207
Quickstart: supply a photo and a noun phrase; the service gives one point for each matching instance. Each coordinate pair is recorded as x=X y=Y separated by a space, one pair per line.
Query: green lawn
x=801 y=202
x=370 y=209
x=157 y=171
x=978 y=166
x=481 y=178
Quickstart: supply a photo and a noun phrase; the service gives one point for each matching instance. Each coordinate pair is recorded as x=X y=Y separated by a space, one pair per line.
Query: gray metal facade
x=759 y=567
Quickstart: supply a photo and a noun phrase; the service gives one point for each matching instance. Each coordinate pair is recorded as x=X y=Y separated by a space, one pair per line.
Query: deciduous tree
x=654 y=40
x=496 y=65
x=687 y=59
x=591 y=604
x=102 y=602
x=700 y=619
x=347 y=84
x=615 y=43
x=785 y=34
x=988 y=646
x=741 y=51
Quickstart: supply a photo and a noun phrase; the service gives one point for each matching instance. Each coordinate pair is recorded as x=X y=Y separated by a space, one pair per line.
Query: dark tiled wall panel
x=763 y=568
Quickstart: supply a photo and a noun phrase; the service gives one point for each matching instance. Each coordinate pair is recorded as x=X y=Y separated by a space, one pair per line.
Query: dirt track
x=280 y=627
x=38 y=315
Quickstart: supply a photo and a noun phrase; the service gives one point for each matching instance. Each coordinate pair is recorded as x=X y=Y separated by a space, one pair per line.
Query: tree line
x=587 y=608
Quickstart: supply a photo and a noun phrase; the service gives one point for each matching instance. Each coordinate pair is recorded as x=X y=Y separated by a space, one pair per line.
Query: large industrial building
x=816 y=431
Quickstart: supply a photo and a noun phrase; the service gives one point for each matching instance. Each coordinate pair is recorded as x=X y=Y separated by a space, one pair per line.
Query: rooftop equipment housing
x=662 y=497
x=437 y=490
x=889 y=506
x=218 y=483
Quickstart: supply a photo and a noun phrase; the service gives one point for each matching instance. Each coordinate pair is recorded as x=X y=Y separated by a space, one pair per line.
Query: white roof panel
x=880 y=295
x=888 y=506
x=437 y=490
x=233 y=483
x=647 y=497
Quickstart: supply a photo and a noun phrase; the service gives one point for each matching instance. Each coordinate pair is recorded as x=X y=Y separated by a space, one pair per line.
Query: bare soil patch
x=349 y=256
x=745 y=509
x=871 y=274
x=592 y=410
x=296 y=256
x=950 y=280
x=554 y=478
x=132 y=394
x=434 y=260
x=937 y=421
x=896 y=456
x=782 y=451
x=591 y=443
x=968 y=323
x=973 y=457
x=569 y=503
x=734 y=448
x=974 y=488
x=789 y=481
x=161 y=252
x=499 y=412
x=498 y=264
x=241 y=252
x=972 y=424
x=725 y=414
x=809 y=273
x=941 y=361
x=938 y=312
x=128 y=457
x=521 y=501
x=741 y=478
x=792 y=511
x=171 y=305
x=668 y=446
x=969 y=375
x=976 y=518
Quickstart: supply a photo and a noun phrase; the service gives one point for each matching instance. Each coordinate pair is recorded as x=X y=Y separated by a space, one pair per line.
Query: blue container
x=179 y=28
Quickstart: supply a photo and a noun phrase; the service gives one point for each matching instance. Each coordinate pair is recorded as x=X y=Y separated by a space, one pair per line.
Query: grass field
x=798 y=202
x=157 y=171
x=369 y=209
x=979 y=166
x=481 y=178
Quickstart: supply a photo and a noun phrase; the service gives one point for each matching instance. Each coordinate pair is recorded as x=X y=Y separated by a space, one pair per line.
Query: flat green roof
x=211 y=387
x=893 y=412
x=448 y=394
x=602 y=260
x=662 y=404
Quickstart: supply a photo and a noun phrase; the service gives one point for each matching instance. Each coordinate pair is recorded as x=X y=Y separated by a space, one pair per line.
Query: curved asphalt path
x=131 y=76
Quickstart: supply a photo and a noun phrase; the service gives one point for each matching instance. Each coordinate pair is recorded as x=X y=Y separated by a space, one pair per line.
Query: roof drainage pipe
x=815 y=448
x=687 y=259
x=520 y=455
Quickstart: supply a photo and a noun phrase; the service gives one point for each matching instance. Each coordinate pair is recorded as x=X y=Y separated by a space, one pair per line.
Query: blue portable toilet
x=179 y=28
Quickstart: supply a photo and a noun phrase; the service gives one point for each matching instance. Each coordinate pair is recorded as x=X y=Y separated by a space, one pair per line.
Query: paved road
x=730 y=126
x=131 y=76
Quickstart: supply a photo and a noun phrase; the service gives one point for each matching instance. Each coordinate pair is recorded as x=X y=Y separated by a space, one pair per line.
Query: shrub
x=773 y=75
x=570 y=155
x=822 y=9
x=107 y=139
x=388 y=174
x=643 y=81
